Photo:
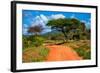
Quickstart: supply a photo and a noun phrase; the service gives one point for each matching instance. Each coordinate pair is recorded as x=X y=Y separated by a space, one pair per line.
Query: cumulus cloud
x=25 y=31
x=72 y=16
x=83 y=21
x=57 y=16
x=26 y=26
x=44 y=18
x=40 y=19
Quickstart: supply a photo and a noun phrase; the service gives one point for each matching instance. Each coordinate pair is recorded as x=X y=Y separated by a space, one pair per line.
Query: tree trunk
x=64 y=34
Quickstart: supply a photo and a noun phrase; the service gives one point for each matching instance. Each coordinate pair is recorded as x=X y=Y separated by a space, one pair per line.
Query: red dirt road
x=61 y=53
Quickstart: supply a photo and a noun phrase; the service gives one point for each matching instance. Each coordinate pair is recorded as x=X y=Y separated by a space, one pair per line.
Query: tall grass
x=35 y=54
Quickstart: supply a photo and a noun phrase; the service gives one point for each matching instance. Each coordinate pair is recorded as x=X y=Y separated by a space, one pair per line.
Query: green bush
x=87 y=55
x=80 y=51
x=44 y=52
x=37 y=41
x=83 y=53
x=25 y=42
x=32 y=41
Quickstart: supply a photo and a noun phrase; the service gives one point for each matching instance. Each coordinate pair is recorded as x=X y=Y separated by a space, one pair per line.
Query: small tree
x=36 y=39
x=37 y=29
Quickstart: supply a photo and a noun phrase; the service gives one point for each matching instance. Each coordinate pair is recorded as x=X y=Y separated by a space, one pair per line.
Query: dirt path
x=61 y=53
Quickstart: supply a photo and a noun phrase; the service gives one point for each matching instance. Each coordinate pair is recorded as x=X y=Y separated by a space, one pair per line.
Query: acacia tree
x=64 y=25
x=36 y=39
x=37 y=29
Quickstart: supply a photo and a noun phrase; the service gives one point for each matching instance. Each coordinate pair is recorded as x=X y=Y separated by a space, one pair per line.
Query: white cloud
x=25 y=31
x=37 y=17
x=44 y=18
x=72 y=16
x=40 y=19
x=88 y=24
x=83 y=21
x=57 y=16
x=46 y=30
x=26 y=26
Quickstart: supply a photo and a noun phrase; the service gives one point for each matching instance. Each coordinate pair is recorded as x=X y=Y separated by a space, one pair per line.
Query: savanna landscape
x=55 y=36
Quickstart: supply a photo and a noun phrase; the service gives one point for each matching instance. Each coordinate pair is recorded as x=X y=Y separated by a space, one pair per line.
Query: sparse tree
x=36 y=29
x=36 y=39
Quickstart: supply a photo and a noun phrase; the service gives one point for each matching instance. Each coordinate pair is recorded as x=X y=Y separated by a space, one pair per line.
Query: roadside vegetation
x=68 y=32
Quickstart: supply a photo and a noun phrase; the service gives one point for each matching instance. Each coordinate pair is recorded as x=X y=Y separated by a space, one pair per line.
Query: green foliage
x=44 y=52
x=25 y=42
x=66 y=25
x=31 y=41
x=35 y=54
x=57 y=23
x=80 y=51
x=82 y=47
x=38 y=41
x=83 y=53
x=87 y=55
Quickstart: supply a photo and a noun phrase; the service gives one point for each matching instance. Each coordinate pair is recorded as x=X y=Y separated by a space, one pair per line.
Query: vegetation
x=32 y=41
x=82 y=47
x=37 y=29
x=63 y=29
x=69 y=27
x=35 y=54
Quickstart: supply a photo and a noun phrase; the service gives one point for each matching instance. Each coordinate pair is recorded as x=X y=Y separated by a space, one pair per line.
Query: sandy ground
x=61 y=53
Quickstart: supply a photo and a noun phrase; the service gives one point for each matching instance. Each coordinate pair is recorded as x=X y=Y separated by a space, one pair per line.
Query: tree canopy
x=65 y=25
x=36 y=29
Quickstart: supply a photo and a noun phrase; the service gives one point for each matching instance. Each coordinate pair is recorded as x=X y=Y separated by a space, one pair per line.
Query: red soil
x=61 y=53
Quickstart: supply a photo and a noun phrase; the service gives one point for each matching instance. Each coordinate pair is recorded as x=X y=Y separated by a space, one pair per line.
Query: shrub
x=25 y=42
x=37 y=41
x=83 y=53
x=32 y=41
x=44 y=52
x=87 y=55
x=80 y=51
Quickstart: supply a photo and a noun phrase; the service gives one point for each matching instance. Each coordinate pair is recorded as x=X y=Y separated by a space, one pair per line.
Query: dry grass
x=34 y=54
x=82 y=47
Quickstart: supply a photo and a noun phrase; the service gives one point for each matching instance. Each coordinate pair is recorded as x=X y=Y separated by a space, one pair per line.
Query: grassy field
x=35 y=54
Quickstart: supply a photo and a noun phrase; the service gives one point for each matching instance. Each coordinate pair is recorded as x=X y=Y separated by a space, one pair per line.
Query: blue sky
x=34 y=17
